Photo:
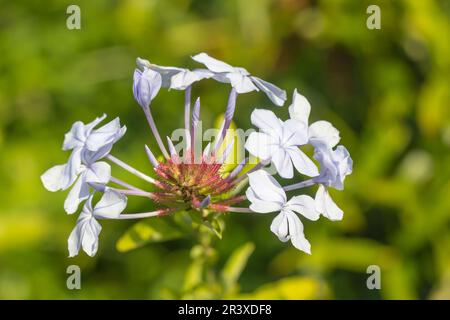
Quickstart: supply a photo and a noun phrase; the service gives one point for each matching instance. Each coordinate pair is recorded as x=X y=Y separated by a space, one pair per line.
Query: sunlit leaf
x=148 y=231
x=236 y=264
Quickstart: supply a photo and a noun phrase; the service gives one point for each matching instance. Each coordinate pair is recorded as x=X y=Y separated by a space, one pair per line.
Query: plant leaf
x=149 y=231
x=235 y=265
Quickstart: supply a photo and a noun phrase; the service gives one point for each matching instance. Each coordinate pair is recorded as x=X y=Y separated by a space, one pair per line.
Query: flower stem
x=142 y=215
x=124 y=184
x=139 y=215
x=130 y=169
x=151 y=123
x=240 y=210
x=303 y=184
x=187 y=107
x=134 y=193
x=238 y=169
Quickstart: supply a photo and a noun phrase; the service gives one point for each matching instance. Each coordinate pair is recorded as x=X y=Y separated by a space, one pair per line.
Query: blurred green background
x=386 y=90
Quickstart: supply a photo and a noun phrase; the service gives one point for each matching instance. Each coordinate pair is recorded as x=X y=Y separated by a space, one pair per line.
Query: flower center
x=185 y=184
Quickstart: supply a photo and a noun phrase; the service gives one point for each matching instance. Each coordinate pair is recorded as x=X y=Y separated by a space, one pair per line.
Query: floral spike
x=151 y=157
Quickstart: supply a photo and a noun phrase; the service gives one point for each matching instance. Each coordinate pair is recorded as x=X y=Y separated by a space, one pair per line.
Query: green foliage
x=235 y=266
x=148 y=231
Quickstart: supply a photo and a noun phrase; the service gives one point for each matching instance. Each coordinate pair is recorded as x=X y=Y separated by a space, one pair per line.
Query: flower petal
x=275 y=94
x=345 y=162
x=280 y=227
x=109 y=133
x=72 y=169
x=74 y=241
x=323 y=132
x=300 y=108
x=78 y=193
x=302 y=162
x=110 y=205
x=261 y=205
x=91 y=125
x=146 y=86
x=267 y=122
x=294 y=133
x=241 y=83
x=266 y=188
x=182 y=80
x=75 y=137
x=305 y=205
x=52 y=179
x=167 y=73
x=282 y=162
x=89 y=157
x=296 y=233
x=89 y=240
x=326 y=205
x=261 y=145
x=213 y=64
x=98 y=172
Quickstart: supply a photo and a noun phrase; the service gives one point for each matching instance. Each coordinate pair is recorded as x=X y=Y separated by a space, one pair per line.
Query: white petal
x=261 y=205
x=261 y=145
x=142 y=63
x=280 y=227
x=89 y=240
x=89 y=157
x=241 y=83
x=329 y=174
x=275 y=94
x=345 y=162
x=294 y=133
x=75 y=137
x=305 y=205
x=326 y=205
x=78 y=193
x=166 y=73
x=282 y=162
x=300 y=108
x=182 y=80
x=203 y=73
x=90 y=126
x=213 y=64
x=72 y=168
x=98 y=172
x=267 y=122
x=302 y=162
x=52 y=179
x=110 y=205
x=221 y=77
x=266 y=187
x=104 y=135
x=296 y=232
x=323 y=132
x=74 y=241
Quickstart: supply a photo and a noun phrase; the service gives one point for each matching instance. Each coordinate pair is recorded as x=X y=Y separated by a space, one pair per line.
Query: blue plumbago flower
x=197 y=181
x=88 y=145
x=173 y=77
x=266 y=195
x=146 y=86
x=241 y=79
x=279 y=142
x=85 y=234
x=335 y=166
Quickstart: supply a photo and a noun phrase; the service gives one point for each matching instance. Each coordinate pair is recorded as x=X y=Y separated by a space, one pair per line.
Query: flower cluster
x=195 y=181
